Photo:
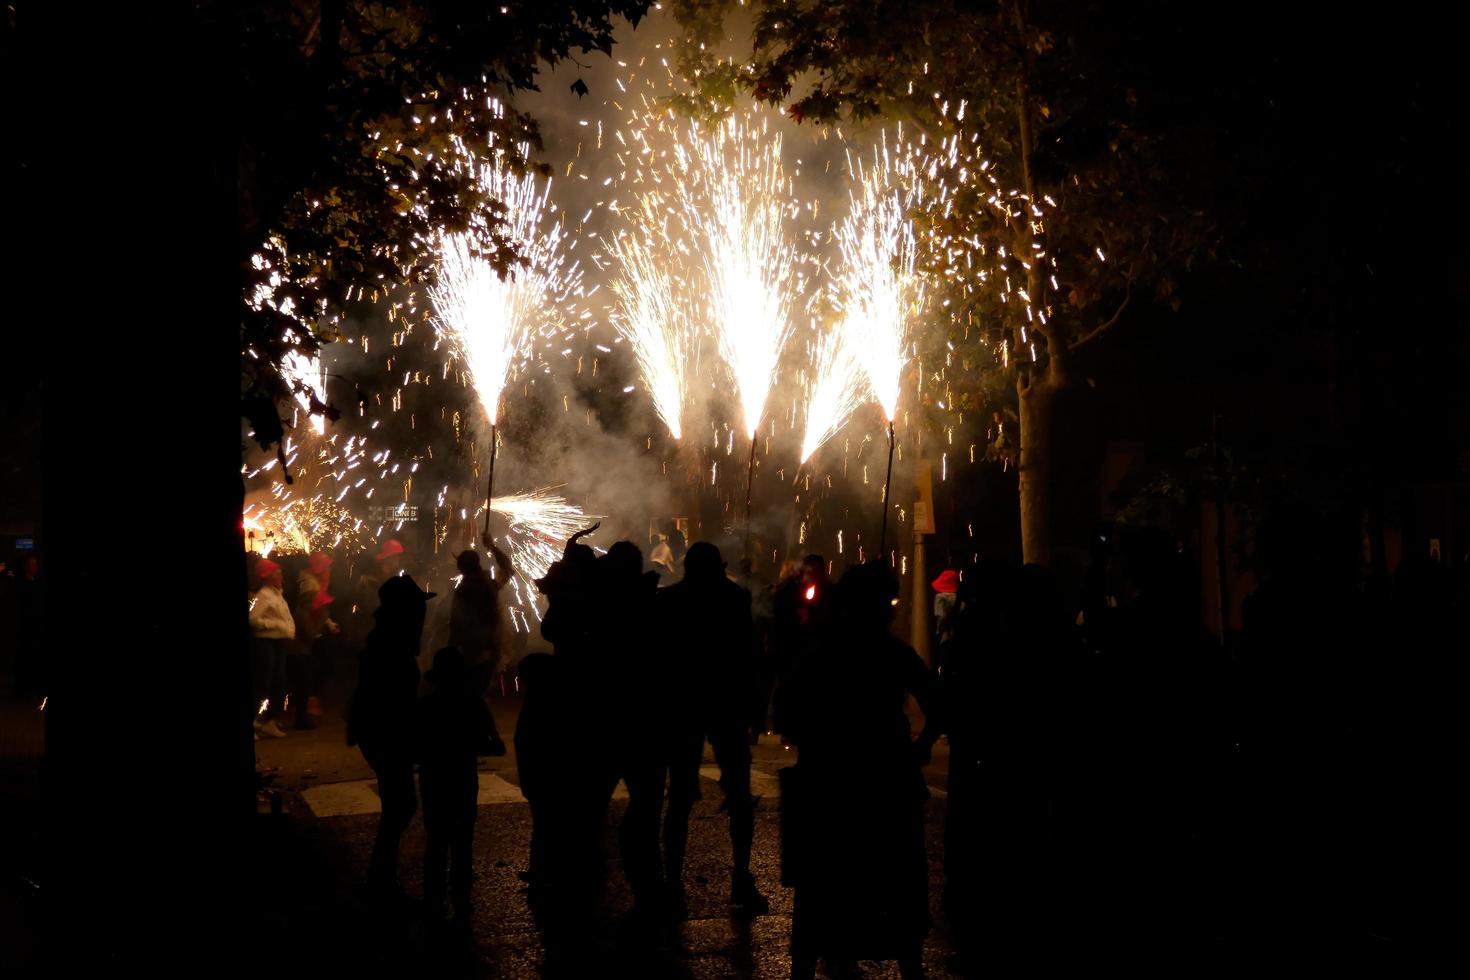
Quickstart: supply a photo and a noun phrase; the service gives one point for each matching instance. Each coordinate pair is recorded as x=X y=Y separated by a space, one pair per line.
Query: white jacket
x=270 y=617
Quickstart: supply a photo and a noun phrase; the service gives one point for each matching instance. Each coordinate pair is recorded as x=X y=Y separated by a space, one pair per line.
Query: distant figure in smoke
x=452 y=727
x=945 y=587
x=853 y=837
x=380 y=717
x=314 y=625
x=661 y=555
x=714 y=694
x=474 y=618
x=678 y=547
x=271 y=628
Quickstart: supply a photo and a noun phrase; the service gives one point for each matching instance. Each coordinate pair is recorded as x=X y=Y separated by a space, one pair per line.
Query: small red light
x=811 y=592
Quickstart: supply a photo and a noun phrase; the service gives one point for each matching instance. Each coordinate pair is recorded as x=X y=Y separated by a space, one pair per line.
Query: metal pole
x=490 y=486
x=887 y=481
x=749 y=481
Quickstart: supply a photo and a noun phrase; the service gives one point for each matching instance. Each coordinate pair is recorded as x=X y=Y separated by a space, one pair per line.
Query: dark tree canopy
x=351 y=113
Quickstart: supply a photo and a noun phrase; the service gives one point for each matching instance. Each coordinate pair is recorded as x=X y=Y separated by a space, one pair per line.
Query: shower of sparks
x=307 y=379
x=488 y=320
x=540 y=524
x=649 y=316
x=875 y=283
x=837 y=386
x=299 y=526
x=737 y=202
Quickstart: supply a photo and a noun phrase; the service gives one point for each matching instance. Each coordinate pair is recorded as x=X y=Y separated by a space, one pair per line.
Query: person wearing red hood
x=313 y=615
x=946 y=588
x=271 y=627
x=386 y=563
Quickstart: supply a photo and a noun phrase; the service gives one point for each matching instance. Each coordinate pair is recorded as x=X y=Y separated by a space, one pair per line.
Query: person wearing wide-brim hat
x=452 y=728
x=380 y=717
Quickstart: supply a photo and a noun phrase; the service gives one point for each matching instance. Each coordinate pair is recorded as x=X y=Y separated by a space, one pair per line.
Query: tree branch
x=1107 y=324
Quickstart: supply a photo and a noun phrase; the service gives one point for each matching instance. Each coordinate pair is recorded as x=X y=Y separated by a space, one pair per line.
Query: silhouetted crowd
x=1122 y=788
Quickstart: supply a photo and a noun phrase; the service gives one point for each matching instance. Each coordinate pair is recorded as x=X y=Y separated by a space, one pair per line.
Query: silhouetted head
x=623 y=562
x=814 y=568
x=450 y=672
x=1150 y=559
x=402 y=592
x=703 y=562
x=865 y=595
x=468 y=562
x=401 y=605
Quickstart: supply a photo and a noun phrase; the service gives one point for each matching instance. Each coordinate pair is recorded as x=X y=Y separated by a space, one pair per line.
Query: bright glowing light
x=876 y=285
x=649 y=315
x=836 y=387
x=737 y=202
x=490 y=320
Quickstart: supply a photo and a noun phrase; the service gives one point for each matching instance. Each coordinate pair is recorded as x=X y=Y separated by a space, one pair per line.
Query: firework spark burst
x=650 y=315
x=837 y=386
x=737 y=202
x=876 y=285
x=541 y=522
x=488 y=320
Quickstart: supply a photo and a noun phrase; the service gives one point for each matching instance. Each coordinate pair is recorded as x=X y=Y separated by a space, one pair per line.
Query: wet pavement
x=311 y=913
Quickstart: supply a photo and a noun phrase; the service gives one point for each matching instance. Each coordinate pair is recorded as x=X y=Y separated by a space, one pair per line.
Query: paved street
x=322 y=840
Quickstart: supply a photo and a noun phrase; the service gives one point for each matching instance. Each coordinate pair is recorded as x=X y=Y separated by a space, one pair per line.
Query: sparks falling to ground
x=490 y=320
x=837 y=386
x=737 y=203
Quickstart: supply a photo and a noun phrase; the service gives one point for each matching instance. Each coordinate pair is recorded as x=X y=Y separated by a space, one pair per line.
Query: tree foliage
x=351 y=112
x=1091 y=91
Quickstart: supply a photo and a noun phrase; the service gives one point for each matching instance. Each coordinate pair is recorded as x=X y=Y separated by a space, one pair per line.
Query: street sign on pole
x=924 y=500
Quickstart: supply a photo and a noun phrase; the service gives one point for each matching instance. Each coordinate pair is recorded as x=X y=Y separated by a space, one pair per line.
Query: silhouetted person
x=583 y=674
x=544 y=755
x=475 y=618
x=798 y=614
x=377 y=569
x=271 y=629
x=713 y=694
x=856 y=799
x=1004 y=706
x=1148 y=759
x=452 y=727
x=380 y=718
x=945 y=587
x=625 y=607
